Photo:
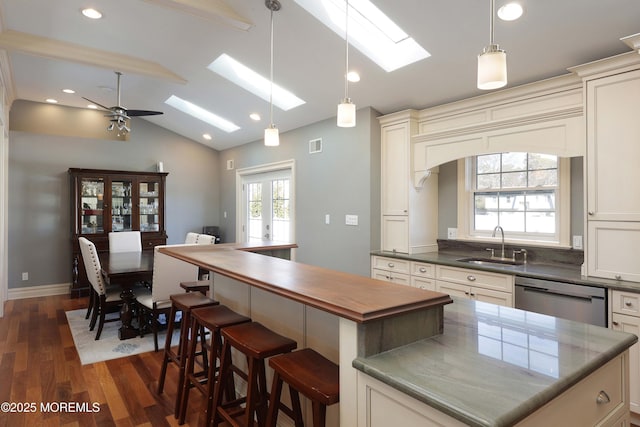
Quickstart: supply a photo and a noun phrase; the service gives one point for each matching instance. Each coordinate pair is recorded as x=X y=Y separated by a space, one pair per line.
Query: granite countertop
x=549 y=271
x=494 y=365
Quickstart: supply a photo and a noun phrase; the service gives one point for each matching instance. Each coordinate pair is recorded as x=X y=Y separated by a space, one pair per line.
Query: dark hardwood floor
x=44 y=383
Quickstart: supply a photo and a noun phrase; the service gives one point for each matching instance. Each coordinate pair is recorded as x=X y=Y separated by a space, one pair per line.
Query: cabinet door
x=453 y=289
x=121 y=204
x=150 y=196
x=630 y=324
x=392 y=277
x=395 y=169
x=493 y=297
x=613 y=147
x=422 y=283
x=395 y=234
x=91 y=205
x=612 y=250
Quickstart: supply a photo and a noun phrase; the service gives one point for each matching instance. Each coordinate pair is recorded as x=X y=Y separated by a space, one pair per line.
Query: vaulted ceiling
x=163 y=48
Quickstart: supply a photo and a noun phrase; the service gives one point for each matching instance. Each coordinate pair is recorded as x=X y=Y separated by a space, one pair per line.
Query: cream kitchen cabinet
x=625 y=316
x=612 y=89
x=411 y=273
x=409 y=215
x=474 y=284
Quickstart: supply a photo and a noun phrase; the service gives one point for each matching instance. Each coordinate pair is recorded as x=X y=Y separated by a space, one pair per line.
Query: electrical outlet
x=577 y=242
x=452 y=233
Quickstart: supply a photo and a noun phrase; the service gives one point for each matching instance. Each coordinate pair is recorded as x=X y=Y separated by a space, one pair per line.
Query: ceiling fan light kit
x=492 y=62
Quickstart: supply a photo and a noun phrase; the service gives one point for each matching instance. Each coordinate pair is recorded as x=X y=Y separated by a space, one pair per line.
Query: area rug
x=109 y=346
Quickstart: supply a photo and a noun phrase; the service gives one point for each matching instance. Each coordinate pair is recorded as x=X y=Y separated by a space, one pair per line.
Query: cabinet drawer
x=422 y=269
x=419 y=282
x=391 y=276
x=579 y=406
x=498 y=282
x=391 y=264
x=625 y=303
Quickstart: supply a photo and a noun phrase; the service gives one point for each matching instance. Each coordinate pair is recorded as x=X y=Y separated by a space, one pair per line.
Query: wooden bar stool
x=201 y=286
x=213 y=319
x=184 y=303
x=257 y=343
x=309 y=373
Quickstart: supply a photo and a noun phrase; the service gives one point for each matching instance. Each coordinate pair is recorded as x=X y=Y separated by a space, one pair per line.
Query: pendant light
x=492 y=62
x=346 y=109
x=271 y=135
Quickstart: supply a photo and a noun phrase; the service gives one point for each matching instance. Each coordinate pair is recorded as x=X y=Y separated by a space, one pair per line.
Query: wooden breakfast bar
x=343 y=316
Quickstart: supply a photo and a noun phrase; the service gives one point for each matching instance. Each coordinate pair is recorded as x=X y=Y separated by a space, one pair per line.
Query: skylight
x=258 y=85
x=201 y=114
x=370 y=31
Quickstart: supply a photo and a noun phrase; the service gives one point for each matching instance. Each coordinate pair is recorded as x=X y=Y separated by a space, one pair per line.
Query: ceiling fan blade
x=99 y=105
x=134 y=113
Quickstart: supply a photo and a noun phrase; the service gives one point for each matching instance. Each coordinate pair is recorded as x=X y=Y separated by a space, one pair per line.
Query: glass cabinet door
x=92 y=205
x=121 y=209
x=149 y=200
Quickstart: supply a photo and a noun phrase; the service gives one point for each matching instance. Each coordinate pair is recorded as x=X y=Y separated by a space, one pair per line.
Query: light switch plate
x=351 y=219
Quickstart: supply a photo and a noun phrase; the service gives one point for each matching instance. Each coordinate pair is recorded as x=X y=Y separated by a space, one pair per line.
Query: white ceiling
x=163 y=48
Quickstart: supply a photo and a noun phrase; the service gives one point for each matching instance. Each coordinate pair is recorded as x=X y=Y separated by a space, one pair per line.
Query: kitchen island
x=358 y=321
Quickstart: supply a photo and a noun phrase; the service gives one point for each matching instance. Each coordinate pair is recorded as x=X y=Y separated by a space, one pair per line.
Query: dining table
x=126 y=269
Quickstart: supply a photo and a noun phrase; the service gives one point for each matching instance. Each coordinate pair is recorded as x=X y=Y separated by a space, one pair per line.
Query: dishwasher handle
x=559 y=293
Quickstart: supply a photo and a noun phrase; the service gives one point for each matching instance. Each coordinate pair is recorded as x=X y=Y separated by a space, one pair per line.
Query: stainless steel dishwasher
x=582 y=303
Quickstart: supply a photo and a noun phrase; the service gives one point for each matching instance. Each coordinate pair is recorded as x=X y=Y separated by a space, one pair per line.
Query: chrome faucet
x=502 y=233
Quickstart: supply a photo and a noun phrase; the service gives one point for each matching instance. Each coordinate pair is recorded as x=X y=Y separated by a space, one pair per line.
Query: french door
x=267 y=207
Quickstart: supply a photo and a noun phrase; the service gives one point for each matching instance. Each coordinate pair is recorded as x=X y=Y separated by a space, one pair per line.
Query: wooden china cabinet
x=105 y=200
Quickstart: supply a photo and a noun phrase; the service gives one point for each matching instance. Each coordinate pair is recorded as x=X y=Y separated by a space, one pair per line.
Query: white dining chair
x=191 y=238
x=205 y=239
x=104 y=299
x=168 y=272
x=125 y=241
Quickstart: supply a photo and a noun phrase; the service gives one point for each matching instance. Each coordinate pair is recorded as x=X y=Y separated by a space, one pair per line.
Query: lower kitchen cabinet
x=381 y=405
x=483 y=286
x=625 y=316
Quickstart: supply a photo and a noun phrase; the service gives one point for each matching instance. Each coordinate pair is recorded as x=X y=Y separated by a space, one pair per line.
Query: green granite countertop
x=495 y=365
x=559 y=272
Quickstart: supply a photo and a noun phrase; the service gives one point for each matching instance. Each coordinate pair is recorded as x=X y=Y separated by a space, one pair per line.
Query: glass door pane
x=92 y=202
x=267 y=206
x=149 y=199
x=121 y=206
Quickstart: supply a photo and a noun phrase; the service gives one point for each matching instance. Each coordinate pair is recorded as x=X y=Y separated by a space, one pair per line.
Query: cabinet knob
x=590 y=212
x=618 y=277
x=473 y=294
x=466 y=292
x=628 y=303
x=471 y=278
x=422 y=270
x=602 y=398
x=615 y=323
x=391 y=265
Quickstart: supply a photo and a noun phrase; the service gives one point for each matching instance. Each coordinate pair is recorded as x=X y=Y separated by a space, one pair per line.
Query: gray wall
x=39 y=223
x=448 y=197
x=343 y=179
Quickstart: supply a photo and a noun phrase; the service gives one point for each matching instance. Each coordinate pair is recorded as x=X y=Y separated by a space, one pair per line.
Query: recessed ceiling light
x=353 y=76
x=201 y=114
x=510 y=12
x=258 y=85
x=68 y=91
x=91 y=13
x=92 y=106
x=255 y=117
x=51 y=101
x=370 y=31
x=207 y=136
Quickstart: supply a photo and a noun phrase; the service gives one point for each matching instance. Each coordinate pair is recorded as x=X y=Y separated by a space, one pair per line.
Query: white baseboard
x=39 y=291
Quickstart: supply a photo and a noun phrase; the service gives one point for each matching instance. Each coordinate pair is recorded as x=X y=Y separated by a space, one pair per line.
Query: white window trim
x=269 y=167
x=465 y=207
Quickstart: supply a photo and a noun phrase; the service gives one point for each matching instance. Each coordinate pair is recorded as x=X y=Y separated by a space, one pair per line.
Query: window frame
x=466 y=177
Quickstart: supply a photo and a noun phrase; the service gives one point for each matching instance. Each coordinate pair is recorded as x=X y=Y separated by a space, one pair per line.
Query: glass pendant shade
x=271 y=136
x=346 y=114
x=492 y=68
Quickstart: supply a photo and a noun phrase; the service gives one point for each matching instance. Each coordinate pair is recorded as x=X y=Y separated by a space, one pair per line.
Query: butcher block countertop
x=353 y=297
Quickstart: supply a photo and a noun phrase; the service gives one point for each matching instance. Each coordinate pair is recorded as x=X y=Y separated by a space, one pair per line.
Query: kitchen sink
x=494 y=262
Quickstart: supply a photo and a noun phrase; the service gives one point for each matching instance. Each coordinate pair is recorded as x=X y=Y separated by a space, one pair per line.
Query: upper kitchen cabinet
x=103 y=201
x=612 y=89
x=409 y=214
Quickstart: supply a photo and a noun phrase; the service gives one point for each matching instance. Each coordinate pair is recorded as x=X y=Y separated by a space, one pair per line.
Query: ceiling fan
x=119 y=115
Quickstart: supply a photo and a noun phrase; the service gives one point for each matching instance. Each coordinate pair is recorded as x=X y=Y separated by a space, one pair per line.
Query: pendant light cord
x=491 y=26
x=271 y=74
x=346 y=52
